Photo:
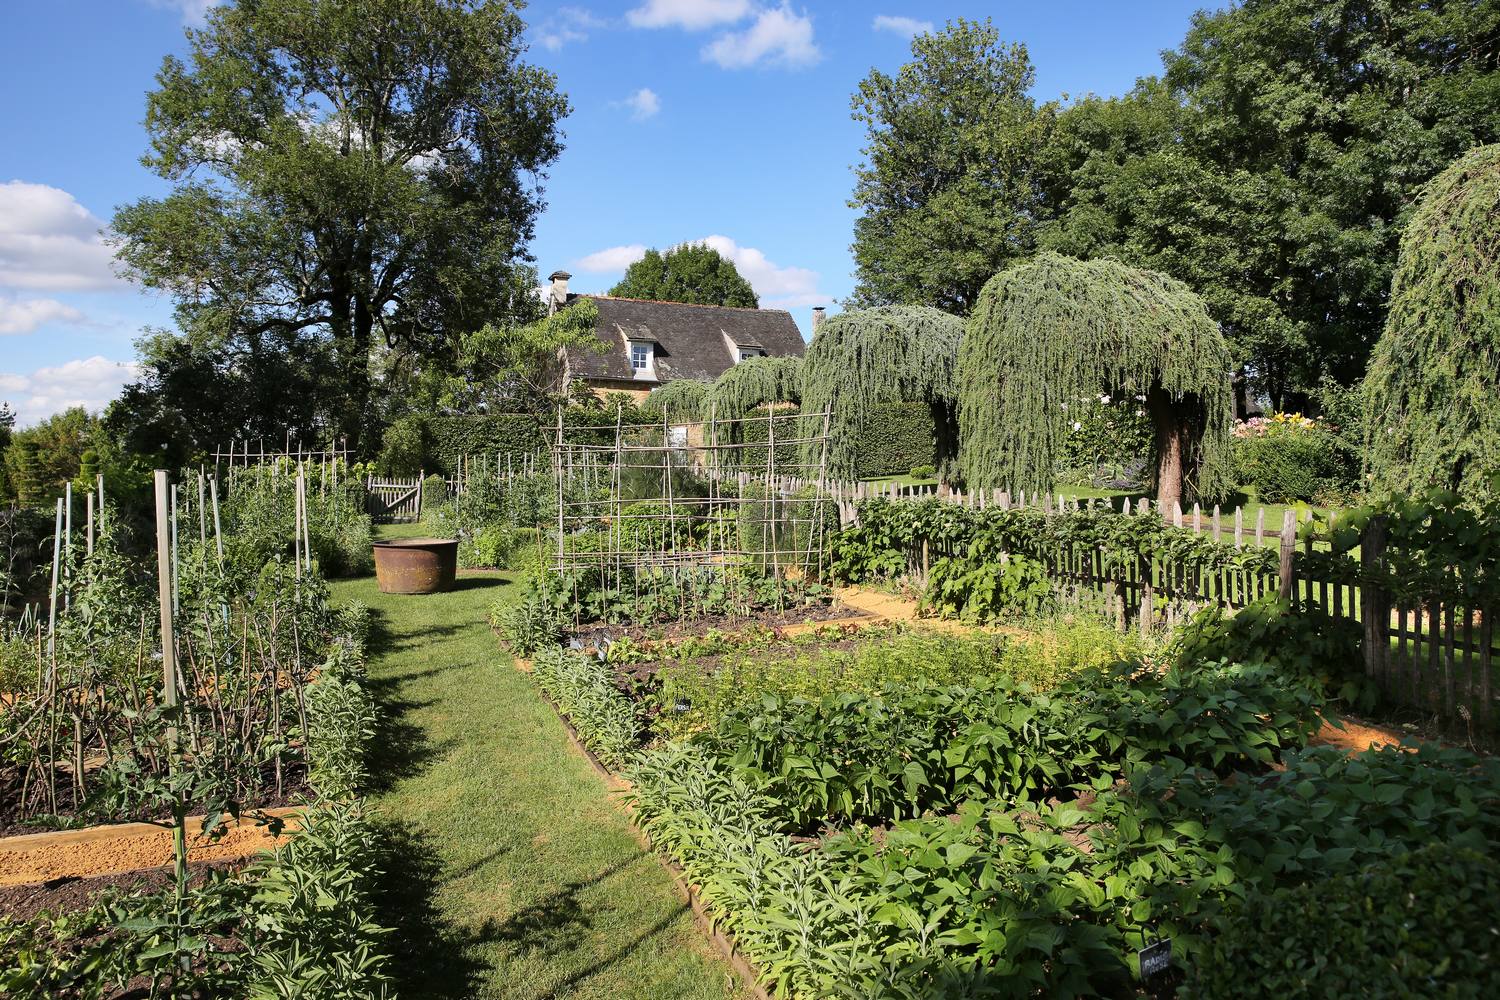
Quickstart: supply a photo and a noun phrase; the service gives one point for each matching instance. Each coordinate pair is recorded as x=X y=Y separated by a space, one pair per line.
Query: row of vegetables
x=989 y=836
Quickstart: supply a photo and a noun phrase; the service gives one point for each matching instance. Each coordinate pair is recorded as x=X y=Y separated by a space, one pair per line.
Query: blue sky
x=725 y=120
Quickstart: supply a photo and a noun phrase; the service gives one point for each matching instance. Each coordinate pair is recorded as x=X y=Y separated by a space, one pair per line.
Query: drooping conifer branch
x=1432 y=395
x=1050 y=333
x=891 y=354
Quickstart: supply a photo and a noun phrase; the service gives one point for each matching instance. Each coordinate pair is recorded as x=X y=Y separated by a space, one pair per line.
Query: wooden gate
x=394 y=500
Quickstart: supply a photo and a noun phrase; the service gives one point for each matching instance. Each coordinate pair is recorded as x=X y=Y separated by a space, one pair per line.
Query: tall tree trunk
x=1169 y=447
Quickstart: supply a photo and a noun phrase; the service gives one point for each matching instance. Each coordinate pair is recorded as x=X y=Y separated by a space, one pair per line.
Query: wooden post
x=1287 y=584
x=174 y=547
x=213 y=490
x=57 y=531
x=1375 y=607
x=164 y=594
x=1147 y=590
x=89 y=508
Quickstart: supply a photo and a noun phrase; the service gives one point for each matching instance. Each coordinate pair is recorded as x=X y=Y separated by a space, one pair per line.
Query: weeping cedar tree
x=862 y=359
x=1432 y=395
x=360 y=174
x=751 y=383
x=1057 y=330
x=679 y=400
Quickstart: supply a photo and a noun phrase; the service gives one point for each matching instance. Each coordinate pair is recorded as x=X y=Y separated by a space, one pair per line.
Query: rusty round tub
x=416 y=565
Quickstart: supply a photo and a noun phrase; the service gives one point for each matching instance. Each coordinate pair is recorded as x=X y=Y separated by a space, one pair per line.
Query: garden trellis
x=662 y=499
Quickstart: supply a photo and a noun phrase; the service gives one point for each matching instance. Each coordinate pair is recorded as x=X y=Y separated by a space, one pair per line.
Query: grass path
x=509 y=872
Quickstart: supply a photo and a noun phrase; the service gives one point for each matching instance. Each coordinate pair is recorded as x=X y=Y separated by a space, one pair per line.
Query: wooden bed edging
x=722 y=940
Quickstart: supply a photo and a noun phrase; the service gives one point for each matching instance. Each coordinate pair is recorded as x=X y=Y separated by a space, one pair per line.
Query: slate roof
x=689 y=339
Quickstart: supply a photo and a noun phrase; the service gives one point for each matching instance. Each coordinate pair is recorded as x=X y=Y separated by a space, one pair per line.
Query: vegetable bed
x=928 y=815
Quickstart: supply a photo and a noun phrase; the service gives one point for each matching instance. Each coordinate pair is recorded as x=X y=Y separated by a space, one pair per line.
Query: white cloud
x=643 y=104
x=694 y=15
x=907 y=27
x=778 y=36
x=568 y=25
x=49 y=241
x=25 y=315
x=610 y=259
x=194 y=12
x=89 y=382
x=778 y=287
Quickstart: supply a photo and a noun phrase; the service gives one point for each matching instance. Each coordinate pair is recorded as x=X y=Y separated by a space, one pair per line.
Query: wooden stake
x=165 y=594
x=56 y=566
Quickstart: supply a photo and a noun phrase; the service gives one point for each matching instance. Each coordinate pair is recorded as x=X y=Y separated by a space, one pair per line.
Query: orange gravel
x=124 y=847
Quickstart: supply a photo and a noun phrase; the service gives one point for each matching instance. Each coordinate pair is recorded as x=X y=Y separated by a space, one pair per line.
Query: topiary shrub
x=897 y=437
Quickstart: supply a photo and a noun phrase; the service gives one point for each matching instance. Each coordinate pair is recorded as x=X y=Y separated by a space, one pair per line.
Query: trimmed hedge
x=900 y=437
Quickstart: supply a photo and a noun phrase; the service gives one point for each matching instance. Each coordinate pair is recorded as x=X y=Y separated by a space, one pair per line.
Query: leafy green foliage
x=1376 y=932
x=979 y=588
x=695 y=273
x=584 y=690
x=533 y=623
x=863 y=360
x=1290 y=464
x=1111 y=329
x=1428 y=421
x=259 y=511
x=948 y=192
x=699 y=699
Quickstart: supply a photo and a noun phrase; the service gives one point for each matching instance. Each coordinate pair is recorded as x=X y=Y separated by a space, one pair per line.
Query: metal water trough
x=416 y=565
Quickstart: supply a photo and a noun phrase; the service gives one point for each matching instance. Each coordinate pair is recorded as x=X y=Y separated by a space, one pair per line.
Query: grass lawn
x=510 y=873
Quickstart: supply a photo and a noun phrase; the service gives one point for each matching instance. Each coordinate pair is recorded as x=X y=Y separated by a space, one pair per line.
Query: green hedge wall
x=900 y=437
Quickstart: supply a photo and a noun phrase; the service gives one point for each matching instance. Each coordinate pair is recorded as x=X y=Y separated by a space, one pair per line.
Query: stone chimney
x=558 y=296
x=820 y=313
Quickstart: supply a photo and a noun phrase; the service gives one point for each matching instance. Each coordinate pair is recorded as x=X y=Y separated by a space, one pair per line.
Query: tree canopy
x=751 y=383
x=1433 y=391
x=695 y=273
x=1272 y=168
x=889 y=354
x=948 y=192
x=350 y=177
x=680 y=399
x=1058 y=331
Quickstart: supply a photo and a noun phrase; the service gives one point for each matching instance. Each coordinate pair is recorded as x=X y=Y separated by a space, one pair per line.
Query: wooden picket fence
x=1433 y=657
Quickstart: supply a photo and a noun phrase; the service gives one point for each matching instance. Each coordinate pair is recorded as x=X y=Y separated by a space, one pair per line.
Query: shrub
x=1287 y=458
x=1423 y=923
x=981 y=590
x=489 y=548
x=530 y=624
x=923 y=471
x=897 y=437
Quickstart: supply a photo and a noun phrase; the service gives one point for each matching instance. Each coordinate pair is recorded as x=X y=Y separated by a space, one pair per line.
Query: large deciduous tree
x=1057 y=332
x=350 y=177
x=1274 y=164
x=1433 y=391
x=695 y=273
x=949 y=191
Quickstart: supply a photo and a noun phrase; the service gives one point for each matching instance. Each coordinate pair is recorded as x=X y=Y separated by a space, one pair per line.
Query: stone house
x=647 y=344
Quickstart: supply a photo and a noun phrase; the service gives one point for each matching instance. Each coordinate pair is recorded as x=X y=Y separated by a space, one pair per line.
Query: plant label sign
x=1156 y=960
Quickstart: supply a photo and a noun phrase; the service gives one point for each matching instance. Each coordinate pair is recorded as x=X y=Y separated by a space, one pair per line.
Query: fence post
x=1288 y=553
x=1143 y=570
x=164 y=594
x=1375 y=603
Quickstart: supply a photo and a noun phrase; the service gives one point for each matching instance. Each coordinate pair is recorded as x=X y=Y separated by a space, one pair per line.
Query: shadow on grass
x=478 y=582
x=429 y=957
x=400 y=748
x=433 y=958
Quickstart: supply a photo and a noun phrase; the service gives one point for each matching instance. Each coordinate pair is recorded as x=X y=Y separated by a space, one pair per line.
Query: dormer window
x=640 y=358
x=751 y=352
